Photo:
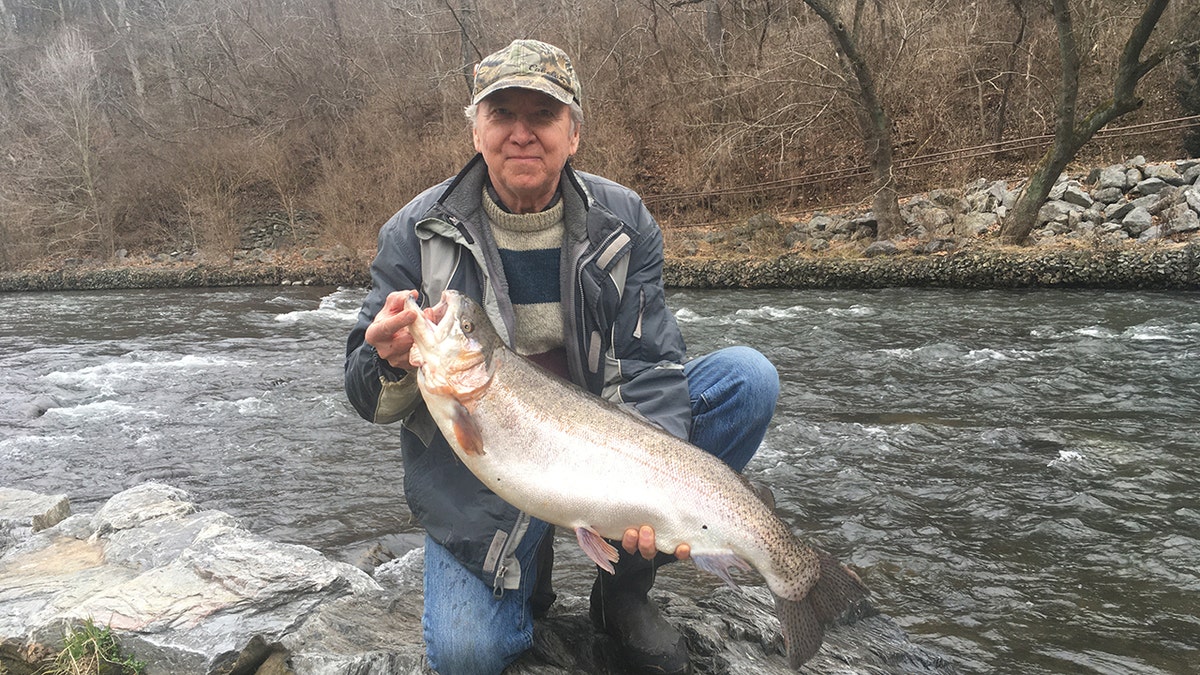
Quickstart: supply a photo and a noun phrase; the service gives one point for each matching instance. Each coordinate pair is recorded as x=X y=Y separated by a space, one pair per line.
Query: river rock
x=23 y=512
x=189 y=591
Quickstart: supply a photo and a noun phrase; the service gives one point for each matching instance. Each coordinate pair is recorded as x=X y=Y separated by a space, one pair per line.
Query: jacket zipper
x=510 y=546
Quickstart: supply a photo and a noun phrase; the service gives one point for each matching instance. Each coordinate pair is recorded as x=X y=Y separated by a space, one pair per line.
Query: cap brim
x=550 y=89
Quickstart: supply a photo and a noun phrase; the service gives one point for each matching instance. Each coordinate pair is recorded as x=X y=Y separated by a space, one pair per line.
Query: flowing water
x=1014 y=473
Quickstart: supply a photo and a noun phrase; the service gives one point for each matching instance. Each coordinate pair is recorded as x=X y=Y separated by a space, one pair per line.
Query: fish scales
x=631 y=469
x=578 y=461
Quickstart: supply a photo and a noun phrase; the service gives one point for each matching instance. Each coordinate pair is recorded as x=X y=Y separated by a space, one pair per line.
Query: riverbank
x=1134 y=225
x=1159 y=265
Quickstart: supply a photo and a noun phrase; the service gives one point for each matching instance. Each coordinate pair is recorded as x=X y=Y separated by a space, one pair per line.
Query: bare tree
x=58 y=160
x=873 y=120
x=1070 y=131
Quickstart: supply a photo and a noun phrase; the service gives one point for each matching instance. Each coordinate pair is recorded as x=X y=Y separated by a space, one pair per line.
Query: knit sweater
x=529 y=246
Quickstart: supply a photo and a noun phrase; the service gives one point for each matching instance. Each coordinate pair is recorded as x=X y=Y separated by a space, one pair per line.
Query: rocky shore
x=187 y=590
x=1134 y=225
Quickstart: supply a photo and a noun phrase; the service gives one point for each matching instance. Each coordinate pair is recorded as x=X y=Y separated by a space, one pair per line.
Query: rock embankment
x=1174 y=267
x=189 y=591
x=1125 y=226
x=187 y=275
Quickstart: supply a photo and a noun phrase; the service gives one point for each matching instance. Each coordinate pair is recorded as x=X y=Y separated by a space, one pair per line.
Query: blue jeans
x=467 y=631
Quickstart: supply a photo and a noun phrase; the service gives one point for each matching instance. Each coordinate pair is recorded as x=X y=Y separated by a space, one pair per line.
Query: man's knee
x=754 y=378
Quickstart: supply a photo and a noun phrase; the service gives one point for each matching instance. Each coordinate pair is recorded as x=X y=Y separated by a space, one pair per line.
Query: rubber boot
x=647 y=642
x=543 y=592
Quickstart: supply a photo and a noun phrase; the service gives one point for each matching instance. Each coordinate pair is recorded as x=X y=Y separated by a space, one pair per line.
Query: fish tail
x=836 y=590
x=802 y=621
x=802 y=632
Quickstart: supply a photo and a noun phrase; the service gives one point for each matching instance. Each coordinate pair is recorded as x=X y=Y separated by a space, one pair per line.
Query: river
x=1013 y=473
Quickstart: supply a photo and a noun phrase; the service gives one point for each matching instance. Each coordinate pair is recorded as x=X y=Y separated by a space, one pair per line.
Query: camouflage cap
x=528 y=64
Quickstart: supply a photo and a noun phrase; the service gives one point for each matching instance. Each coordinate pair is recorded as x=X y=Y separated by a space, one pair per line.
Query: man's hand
x=642 y=541
x=388 y=333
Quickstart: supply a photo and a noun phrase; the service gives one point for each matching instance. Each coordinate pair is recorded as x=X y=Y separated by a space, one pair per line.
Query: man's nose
x=522 y=131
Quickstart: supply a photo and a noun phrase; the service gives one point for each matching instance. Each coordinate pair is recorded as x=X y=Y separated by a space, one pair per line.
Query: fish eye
x=468 y=326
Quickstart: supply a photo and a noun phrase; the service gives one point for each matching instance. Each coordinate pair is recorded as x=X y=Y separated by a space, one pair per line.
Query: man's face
x=526 y=138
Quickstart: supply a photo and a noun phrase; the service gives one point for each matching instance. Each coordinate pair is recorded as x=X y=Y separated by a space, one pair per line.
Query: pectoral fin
x=597 y=548
x=466 y=432
x=720 y=564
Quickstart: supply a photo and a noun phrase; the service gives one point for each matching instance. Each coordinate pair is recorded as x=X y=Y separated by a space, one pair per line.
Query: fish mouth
x=434 y=324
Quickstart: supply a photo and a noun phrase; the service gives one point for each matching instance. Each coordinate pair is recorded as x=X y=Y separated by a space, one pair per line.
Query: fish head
x=453 y=346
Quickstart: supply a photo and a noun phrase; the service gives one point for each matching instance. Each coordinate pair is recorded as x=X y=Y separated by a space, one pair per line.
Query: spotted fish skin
x=575 y=460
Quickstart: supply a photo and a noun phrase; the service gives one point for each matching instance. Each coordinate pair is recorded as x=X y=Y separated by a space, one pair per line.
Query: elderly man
x=568 y=266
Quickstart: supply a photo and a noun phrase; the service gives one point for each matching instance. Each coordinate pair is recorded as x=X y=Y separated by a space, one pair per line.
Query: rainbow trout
x=577 y=461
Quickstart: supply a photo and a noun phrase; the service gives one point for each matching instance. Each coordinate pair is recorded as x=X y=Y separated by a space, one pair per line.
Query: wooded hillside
x=152 y=123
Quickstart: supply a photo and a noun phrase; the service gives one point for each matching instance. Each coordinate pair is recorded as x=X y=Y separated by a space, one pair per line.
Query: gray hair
x=576 y=112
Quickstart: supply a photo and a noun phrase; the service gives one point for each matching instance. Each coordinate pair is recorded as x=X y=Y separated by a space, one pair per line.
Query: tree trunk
x=1070 y=135
x=470 y=40
x=714 y=34
x=873 y=119
x=1009 y=72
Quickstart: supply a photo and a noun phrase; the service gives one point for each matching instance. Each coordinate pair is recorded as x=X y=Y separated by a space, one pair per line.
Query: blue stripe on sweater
x=532 y=275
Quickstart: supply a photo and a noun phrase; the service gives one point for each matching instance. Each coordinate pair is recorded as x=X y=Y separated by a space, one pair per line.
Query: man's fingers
x=396 y=300
x=646 y=542
x=683 y=551
x=393 y=317
x=630 y=541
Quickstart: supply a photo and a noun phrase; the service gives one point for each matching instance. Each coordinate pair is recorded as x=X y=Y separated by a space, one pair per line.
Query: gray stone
x=1164 y=172
x=985 y=196
x=1149 y=234
x=1108 y=195
x=1137 y=221
x=879 y=248
x=1074 y=194
x=1056 y=227
x=820 y=222
x=1191 y=196
x=974 y=224
x=1093 y=213
x=1152 y=203
x=932 y=219
x=947 y=199
x=22 y=513
x=1112 y=177
x=1191 y=174
x=1179 y=219
x=1004 y=197
x=1057 y=211
x=1150 y=186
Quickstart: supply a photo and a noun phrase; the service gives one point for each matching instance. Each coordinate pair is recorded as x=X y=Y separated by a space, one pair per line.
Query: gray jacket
x=621 y=340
